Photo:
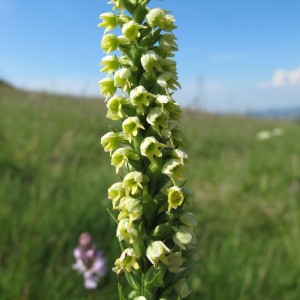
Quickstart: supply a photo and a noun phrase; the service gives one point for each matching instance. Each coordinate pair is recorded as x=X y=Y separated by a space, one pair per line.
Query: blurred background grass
x=54 y=180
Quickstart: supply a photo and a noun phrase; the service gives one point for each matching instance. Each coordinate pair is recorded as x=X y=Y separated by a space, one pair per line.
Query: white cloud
x=283 y=78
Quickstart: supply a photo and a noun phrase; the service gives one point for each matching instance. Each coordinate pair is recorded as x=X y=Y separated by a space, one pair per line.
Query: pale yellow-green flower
x=109 y=42
x=150 y=147
x=158 y=18
x=131 y=126
x=116 y=192
x=180 y=154
x=131 y=30
x=140 y=97
x=118 y=4
x=132 y=182
x=174 y=169
x=156 y=252
x=126 y=231
x=130 y=208
x=157 y=119
x=115 y=106
x=151 y=61
x=162 y=99
x=110 y=21
x=127 y=261
x=175 y=197
x=110 y=63
x=112 y=140
x=107 y=87
x=121 y=78
x=122 y=155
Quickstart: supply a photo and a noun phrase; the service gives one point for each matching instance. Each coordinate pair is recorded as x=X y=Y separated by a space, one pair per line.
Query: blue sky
x=234 y=56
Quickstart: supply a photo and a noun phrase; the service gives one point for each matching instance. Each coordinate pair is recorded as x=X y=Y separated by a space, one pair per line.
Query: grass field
x=54 y=178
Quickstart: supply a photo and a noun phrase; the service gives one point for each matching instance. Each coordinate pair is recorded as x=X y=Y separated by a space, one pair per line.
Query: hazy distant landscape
x=54 y=180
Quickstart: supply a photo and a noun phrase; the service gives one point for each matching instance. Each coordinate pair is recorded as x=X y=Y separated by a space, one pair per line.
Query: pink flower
x=89 y=261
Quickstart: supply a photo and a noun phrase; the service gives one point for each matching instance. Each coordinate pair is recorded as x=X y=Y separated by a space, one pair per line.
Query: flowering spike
x=154 y=227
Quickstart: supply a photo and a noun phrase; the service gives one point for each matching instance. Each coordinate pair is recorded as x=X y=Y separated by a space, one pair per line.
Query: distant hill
x=5 y=84
x=287 y=113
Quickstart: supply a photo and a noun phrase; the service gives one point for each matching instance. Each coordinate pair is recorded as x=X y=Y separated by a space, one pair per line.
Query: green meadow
x=54 y=180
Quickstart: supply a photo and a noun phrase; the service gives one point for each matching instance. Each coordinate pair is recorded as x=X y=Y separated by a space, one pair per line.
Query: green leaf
x=148 y=81
x=121 y=297
x=113 y=217
x=162 y=231
x=155 y=277
x=129 y=6
x=139 y=14
x=135 y=55
x=149 y=209
x=133 y=281
x=150 y=39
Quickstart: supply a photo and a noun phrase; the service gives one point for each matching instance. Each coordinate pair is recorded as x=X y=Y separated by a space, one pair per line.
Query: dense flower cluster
x=89 y=261
x=147 y=148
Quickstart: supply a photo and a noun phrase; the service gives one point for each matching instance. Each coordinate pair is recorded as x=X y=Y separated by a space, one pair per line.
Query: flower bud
x=150 y=61
x=168 y=80
x=182 y=288
x=184 y=237
x=167 y=42
x=189 y=219
x=175 y=262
